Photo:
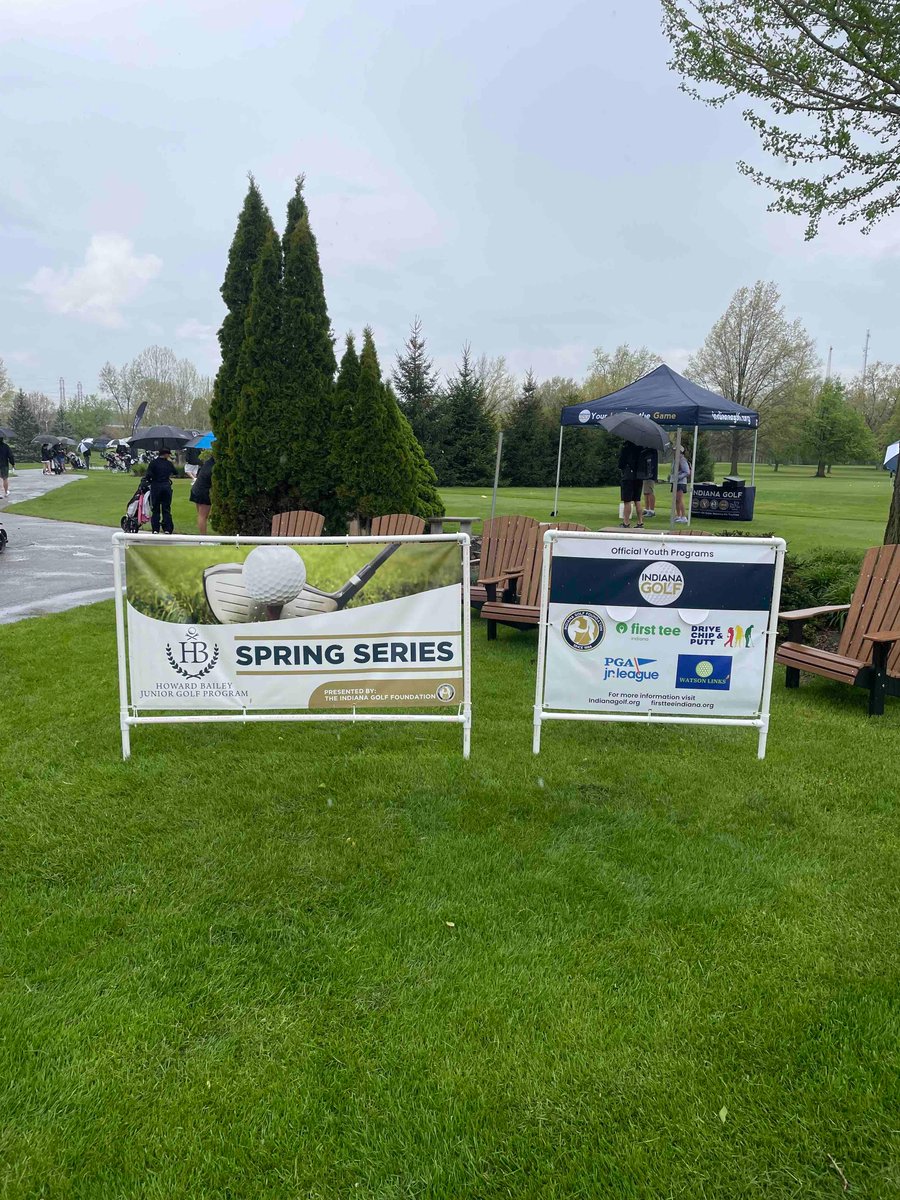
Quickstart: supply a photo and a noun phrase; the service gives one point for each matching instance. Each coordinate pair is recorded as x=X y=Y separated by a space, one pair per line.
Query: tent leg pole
x=753 y=464
x=675 y=461
x=496 y=473
x=555 y=512
x=690 y=495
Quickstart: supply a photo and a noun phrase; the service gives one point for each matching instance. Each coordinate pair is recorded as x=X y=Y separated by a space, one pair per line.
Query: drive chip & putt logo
x=704 y=671
x=583 y=630
x=660 y=583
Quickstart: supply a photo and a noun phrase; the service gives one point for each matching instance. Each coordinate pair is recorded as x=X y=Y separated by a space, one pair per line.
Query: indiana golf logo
x=446 y=692
x=583 y=630
x=660 y=583
x=584 y=416
x=194 y=653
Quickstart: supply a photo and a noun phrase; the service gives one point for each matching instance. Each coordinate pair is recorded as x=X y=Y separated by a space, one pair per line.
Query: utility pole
x=62 y=392
x=827 y=372
x=866 y=357
x=79 y=392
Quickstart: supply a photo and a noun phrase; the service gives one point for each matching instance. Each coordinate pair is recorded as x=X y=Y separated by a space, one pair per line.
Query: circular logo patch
x=661 y=583
x=704 y=669
x=584 y=416
x=622 y=627
x=583 y=630
x=446 y=692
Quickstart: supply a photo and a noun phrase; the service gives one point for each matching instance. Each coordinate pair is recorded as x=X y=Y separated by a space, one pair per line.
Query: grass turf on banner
x=848 y=510
x=324 y=961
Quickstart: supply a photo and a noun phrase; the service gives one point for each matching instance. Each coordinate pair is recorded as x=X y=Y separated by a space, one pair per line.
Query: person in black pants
x=160 y=474
x=7 y=460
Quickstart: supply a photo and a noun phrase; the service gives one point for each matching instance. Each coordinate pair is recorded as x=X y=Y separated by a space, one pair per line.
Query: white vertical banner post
x=542 y=640
x=555 y=512
x=753 y=463
x=121 y=649
x=771 y=637
x=466 y=548
x=496 y=473
x=690 y=494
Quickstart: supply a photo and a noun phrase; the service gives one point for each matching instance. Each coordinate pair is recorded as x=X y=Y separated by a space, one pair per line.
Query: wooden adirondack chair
x=521 y=605
x=868 y=655
x=299 y=523
x=503 y=545
x=397 y=525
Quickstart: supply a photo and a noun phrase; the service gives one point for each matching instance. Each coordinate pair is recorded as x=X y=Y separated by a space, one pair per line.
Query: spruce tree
x=528 y=449
x=379 y=471
x=24 y=421
x=308 y=361
x=341 y=428
x=62 y=425
x=260 y=439
x=428 y=501
x=253 y=228
x=416 y=384
x=469 y=443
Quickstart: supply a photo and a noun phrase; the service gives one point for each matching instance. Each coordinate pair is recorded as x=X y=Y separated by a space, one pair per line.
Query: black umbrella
x=8 y=435
x=160 y=437
x=52 y=439
x=641 y=431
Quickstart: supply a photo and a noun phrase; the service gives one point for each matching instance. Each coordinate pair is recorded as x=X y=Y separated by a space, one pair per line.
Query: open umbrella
x=8 y=435
x=891 y=455
x=160 y=437
x=52 y=439
x=639 y=430
x=203 y=441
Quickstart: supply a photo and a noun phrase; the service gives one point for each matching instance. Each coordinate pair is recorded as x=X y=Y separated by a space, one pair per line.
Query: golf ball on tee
x=274 y=574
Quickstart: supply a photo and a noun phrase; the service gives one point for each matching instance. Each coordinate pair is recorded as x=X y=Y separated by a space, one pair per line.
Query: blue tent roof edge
x=669 y=399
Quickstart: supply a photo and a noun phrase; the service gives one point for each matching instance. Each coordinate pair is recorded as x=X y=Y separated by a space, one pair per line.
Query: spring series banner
x=278 y=627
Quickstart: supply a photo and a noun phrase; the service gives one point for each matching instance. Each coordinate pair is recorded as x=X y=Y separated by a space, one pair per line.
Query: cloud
x=111 y=277
x=193 y=330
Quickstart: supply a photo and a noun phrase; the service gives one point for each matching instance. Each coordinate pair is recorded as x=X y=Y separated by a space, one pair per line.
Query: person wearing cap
x=159 y=474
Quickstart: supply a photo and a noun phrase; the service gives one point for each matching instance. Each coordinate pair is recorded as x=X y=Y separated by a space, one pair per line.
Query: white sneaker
x=681 y=520
x=649 y=512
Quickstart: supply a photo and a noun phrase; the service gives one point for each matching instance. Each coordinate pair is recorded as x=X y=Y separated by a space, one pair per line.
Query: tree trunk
x=735 y=450
x=892 y=531
x=776 y=468
x=820 y=471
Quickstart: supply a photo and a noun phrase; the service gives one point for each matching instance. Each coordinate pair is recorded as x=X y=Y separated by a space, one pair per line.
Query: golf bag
x=75 y=461
x=138 y=511
x=3 y=539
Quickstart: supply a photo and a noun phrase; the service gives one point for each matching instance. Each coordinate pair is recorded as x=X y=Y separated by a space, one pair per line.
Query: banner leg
x=126 y=741
x=763 y=737
x=536 y=738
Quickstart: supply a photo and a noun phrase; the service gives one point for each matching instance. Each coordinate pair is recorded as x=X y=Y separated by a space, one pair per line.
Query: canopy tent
x=670 y=400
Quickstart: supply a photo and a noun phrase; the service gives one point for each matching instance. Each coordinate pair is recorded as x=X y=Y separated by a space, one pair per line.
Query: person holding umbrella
x=160 y=473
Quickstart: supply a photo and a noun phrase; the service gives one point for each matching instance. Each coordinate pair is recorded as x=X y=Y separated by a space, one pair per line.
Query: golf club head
x=231 y=604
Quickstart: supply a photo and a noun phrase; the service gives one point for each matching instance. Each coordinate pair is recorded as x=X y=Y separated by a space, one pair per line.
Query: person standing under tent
x=159 y=474
x=631 y=485
x=45 y=459
x=649 y=471
x=7 y=460
x=681 y=473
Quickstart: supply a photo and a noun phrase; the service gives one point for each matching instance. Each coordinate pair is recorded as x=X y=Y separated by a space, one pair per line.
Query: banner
x=666 y=628
x=315 y=626
x=138 y=417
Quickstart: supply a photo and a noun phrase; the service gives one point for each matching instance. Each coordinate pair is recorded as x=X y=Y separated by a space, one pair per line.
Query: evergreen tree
x=379 y=474
x=259 y=438
x=308 y=362
x=416 y=383
x=428 y=500
x=24 y=421
x=469 y=438
x=344 y=398
x=62 y=425
x=529 y=444
x=836 y=432
x=253 y=228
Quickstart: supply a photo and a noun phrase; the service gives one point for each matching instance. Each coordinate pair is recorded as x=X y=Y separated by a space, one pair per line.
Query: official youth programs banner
x=678 y=631
x=217 y=627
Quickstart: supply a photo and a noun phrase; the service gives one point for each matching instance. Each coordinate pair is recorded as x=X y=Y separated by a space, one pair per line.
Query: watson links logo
x=660 y=583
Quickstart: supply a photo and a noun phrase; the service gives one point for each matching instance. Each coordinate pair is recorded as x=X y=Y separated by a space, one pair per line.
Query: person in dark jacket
x=632 y=484
x=160 y=473
x=200 y=493
x=7 y=460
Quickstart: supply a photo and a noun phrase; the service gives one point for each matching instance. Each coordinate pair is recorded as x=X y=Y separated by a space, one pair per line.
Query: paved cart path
x=49 y=566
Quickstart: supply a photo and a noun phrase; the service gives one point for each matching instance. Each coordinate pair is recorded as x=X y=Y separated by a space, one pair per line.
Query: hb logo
x=194 y=653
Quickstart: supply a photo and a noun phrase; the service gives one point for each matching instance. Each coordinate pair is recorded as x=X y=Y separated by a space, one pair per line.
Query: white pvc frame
x=129 y=714
x=760 y=721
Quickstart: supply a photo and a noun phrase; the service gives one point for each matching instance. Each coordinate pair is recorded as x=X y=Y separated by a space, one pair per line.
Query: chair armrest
x=509 y=574
x=805 y=614
x=883 y=635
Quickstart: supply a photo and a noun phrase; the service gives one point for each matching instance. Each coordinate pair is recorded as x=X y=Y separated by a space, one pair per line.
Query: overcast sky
x=525 y=176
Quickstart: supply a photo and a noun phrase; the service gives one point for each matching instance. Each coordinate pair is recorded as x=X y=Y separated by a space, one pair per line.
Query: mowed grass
x=338 y=961
x=847 y=510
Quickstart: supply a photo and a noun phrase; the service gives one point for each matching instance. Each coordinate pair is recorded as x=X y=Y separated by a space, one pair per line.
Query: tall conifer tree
x=416 y=384
x=341 y=428
x=308 y=361
x=469 y=435
x=253 y=227
x=529 y=440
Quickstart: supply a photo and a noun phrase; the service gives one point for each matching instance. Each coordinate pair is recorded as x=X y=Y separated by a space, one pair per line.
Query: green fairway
x=337 y=961
x=848 y=510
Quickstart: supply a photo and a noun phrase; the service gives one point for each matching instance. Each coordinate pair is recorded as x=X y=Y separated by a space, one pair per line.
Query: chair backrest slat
x=397 y=525
x=530 y=589
x=298 y=523
x=503 y=543
x=875 y=604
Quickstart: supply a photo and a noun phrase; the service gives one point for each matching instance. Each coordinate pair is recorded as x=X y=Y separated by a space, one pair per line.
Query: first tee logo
x=660 y=583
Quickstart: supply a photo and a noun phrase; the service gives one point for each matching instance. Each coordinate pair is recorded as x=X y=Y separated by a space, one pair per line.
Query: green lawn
x=848 y=510
x=325 y=962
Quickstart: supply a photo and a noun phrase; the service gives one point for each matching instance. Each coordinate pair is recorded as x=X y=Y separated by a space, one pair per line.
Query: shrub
x=818 y=578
